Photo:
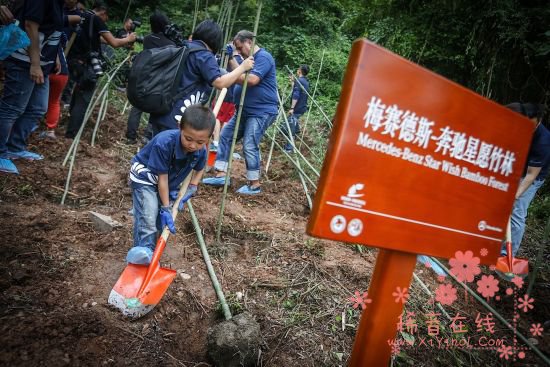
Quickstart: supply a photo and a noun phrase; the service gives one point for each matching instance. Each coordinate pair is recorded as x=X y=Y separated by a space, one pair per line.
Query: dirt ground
x=56 y=271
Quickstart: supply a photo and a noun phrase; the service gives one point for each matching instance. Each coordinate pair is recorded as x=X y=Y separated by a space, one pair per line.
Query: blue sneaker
x=248 y=190
x=139 y=255
x=6 y=165
x=25 y=154
x=214 y=181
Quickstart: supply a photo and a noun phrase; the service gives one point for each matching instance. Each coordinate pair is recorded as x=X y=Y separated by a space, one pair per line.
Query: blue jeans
x=293 y=122
x=519 y=215
x=251 y=130
x=146 y=209
x=23 y=104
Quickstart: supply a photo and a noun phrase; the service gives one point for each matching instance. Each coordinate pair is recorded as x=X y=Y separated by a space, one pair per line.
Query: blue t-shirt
x=300 y=95
x=261 y=99
x=199 y=71
x=539 y=153
x=165 y=154
x=49 y=15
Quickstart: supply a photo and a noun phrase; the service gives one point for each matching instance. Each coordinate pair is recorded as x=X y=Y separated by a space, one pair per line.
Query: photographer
x=159 y=22
x=84 y=61
x=129 y=27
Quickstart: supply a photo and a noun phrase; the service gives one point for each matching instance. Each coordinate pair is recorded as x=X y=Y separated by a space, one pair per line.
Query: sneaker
x=25 y=154
x=213 y=148
x=139 y=255
x=6 y=165
x=237 y=156
x=214 y=181
x=248 y=190
x=48 y=134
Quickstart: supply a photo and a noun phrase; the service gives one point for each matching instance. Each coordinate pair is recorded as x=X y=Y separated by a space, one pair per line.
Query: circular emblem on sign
x=338 y=224
x=482 y=225
x=355 y=227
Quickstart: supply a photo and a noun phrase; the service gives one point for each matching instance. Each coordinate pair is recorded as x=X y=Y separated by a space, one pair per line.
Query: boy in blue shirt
x=158 y=170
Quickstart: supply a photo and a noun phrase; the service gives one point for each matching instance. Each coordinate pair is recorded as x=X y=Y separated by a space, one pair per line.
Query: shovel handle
x=509 y=245
x=161 y=242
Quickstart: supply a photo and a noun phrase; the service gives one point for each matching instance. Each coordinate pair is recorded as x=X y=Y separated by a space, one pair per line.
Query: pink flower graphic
x=536 y=330
x=525 y=303
x=487 y=286
x=441 y=278
x=483 y=252
x=427 y=264
x=465 y=266
x=492 y=267
x=445 y=294
x=517 y=281
x=505 y=352
x=360 y=300
x=509 y=291
x=400 y=295
x=521 y=355
x=395 y=349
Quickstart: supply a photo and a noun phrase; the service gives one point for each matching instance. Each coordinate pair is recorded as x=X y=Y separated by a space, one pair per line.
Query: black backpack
x=154 y=78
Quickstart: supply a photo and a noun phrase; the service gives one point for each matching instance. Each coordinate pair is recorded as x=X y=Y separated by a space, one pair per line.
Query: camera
x=135 y=24
x=174 y=33
x=97 y=63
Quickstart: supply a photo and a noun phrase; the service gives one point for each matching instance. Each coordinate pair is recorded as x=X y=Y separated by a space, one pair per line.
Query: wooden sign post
x=416 y=165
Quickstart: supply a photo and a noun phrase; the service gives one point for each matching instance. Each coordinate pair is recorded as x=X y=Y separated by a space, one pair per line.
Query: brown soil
x=56 y=270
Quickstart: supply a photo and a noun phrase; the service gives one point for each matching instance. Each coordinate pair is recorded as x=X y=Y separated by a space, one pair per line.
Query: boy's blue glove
x=229 y=49
x=166 y=219
x=191 y=190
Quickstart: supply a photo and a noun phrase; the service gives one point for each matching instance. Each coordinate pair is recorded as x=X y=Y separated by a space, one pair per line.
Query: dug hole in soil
x=56 y=269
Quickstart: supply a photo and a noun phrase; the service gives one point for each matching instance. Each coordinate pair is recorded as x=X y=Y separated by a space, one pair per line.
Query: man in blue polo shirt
x=158 y=170
x=298 y=105
x=538 y=165
x=259 y=111
x=25 y=98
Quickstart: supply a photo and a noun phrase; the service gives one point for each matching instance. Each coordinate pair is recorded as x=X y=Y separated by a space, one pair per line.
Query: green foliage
x=497 y=48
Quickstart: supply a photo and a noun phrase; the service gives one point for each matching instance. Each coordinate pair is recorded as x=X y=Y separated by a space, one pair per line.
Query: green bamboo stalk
x=100 y=116
x=291 y=140
x=494 y=312
x=310 y=97
x=233 y=21
x=195 y=16
x=313 y=95
x=237 y=122
x=74 y=147
x=209 y=267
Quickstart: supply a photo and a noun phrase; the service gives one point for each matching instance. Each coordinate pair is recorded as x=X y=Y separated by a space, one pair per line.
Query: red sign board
x=417 y=163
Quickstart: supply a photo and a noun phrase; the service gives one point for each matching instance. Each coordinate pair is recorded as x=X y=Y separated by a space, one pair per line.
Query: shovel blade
x=126 y=296
x=520 y=267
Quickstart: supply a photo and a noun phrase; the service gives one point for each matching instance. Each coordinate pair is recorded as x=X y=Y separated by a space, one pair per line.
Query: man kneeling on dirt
x=158 y=170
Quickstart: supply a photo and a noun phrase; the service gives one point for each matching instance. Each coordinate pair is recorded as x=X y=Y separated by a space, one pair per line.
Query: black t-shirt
x=539 y=152
x=83 y=44
x=49 y=16
x=155 y=40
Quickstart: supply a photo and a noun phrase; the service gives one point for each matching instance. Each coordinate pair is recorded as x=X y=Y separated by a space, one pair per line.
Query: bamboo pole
x=100 y=115
x=494 y=312
x=195 y=16
x=312 y=99
x=74 y=146
x=209 y=267
x=313 y=96
x=291 y=140
x=237 y=121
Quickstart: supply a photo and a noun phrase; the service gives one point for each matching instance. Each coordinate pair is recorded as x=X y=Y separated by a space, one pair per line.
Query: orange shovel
x=509 y=266
x=140 y=287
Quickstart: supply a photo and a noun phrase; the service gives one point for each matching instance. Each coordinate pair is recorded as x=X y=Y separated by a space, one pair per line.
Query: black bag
x=154 y=78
